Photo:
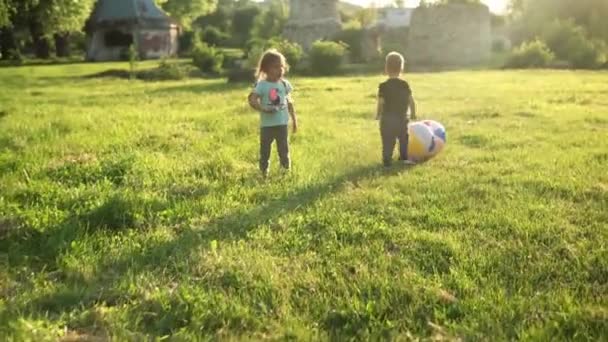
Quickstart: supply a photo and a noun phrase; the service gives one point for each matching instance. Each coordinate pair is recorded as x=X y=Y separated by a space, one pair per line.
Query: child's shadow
x=236 y=225
x=231 y=227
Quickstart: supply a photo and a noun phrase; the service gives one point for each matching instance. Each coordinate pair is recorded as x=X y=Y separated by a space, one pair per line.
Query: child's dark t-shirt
x=396 y=94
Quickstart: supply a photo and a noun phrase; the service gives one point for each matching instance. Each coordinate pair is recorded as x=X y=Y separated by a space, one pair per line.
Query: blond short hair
x=394 y=62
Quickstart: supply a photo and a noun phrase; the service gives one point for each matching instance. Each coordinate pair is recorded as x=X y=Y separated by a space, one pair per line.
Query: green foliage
x=392 y=40
x=213 y=36
x=187 y=10
x=326 y=58
x=531 y=17
x=5 y=13
x=571 y=43
x=187 y=41
x=15 y=57
x=243 y=22
x=133 y=56
x=271 y=21
x=353 y=37
x=533 y=54
x=292 y=51
x=166 y=71
x=207 y=58
x=220 y=18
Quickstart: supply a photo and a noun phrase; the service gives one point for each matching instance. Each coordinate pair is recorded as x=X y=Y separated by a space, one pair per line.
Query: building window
x=118 y=39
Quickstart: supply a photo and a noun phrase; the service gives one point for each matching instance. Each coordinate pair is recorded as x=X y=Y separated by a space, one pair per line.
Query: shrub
x=326 y=58
x=353 y=37
x=133 y=56
x=186 y=42
x=253 y=56
x=15 y=56
x=165 y=71
x=207 y=58
x=213 y=36
x=570 y=43
x=534 y=54
x=292 y=51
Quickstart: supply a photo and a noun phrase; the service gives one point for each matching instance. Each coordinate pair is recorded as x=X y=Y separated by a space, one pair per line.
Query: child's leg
x=388 y=141
x=403 y=141
x=283 y=146
x=266 y=138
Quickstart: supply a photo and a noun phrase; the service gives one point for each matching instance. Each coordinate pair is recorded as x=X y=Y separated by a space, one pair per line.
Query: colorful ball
x=420 y=143
x=426 y=139
x=437 y=129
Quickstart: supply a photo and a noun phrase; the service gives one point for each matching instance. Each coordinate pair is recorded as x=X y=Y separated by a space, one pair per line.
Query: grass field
x=132 y=210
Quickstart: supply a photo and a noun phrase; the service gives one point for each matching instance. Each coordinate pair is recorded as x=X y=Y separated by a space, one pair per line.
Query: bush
x=213 y=36
x=326 y=58
x=165 y=71
x=292 y=51
x=533 y=54
x=187 y=41
x=570 y=43
x=15 y=56
x=353 y=37
x=253 y=56
x=207 y=58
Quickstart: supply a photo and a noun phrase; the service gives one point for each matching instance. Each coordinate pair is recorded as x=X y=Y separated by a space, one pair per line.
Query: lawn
x=132 y=210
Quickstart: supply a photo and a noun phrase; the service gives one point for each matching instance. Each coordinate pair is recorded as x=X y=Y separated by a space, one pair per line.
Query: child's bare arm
x=255 y=102
x=380 y=108
x=413 y=107
x=292 y=112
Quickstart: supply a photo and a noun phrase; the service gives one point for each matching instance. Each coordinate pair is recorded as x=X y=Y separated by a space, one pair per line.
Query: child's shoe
x=408 y=162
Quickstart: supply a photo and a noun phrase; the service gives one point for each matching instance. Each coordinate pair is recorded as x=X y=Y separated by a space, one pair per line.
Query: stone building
x=115 y=25
x=311 y=20
x=450 y=35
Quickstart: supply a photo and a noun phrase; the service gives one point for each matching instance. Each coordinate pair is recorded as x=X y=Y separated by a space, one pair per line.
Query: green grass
x=133 y=210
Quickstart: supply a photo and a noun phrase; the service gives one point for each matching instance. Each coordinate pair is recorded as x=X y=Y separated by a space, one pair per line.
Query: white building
x=391 y=17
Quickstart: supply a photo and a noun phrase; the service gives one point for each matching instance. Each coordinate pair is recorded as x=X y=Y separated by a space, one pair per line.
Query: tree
x=63 y=17
x=187 y=10
x=43 y=19
x=5 y=12
x=272 y=20
x=243 y=21
x=529 y=17
x=220 y=18
x=6 y=33
x=366 y=16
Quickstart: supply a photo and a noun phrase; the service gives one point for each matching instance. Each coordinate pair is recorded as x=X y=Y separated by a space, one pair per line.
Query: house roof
x=112 y=11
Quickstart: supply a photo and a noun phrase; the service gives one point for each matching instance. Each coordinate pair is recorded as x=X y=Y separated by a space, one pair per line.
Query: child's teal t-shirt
x=274 y=94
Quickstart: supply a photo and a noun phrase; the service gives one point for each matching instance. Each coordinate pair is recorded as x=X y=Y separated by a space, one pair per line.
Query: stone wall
x=452 y=35
x=311 y=20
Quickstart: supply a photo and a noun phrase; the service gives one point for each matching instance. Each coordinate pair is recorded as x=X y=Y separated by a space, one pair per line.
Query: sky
x=496 y=6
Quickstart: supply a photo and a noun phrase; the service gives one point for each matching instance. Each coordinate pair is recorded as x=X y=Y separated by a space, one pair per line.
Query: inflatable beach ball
x=439 y=133
x=437 y=129
x=426 y=139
